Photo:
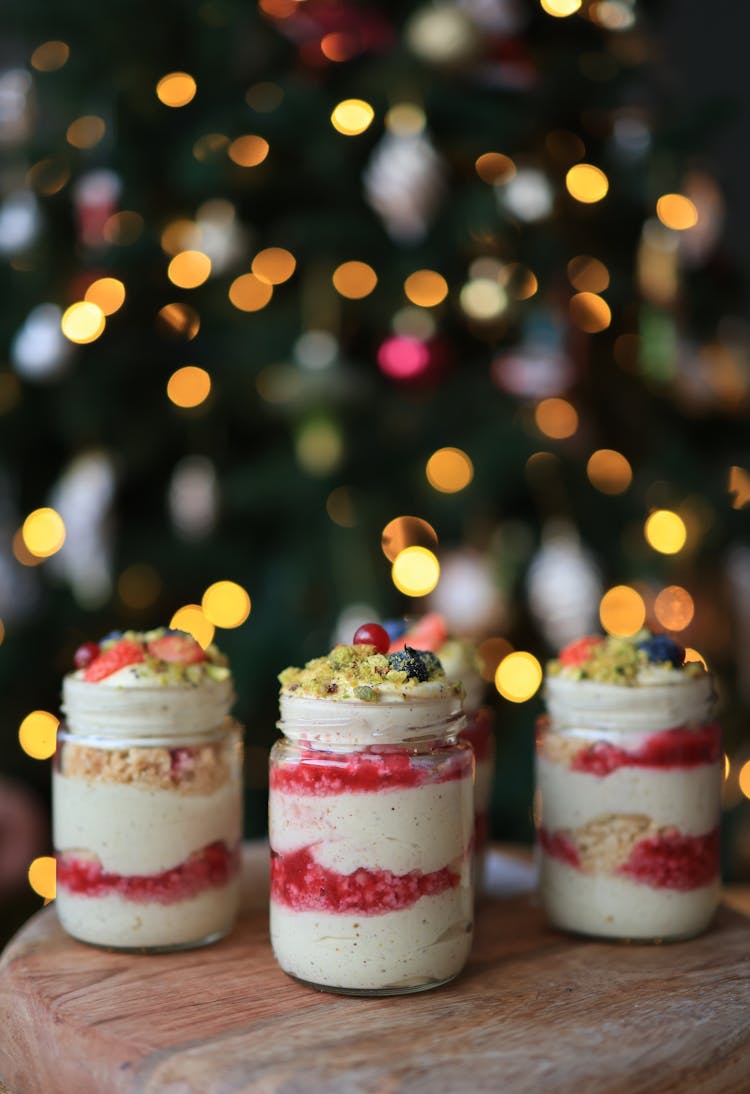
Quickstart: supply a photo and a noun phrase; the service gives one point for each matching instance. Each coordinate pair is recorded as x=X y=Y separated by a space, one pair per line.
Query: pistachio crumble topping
x=624 y=661
x=360 y=672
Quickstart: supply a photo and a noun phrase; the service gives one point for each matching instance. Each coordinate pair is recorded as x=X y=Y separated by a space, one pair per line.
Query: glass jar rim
x=228 y=727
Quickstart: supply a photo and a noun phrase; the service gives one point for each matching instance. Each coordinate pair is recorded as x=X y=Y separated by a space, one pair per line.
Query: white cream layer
x=660 y=700
x=421 y=828
x=613 y=907
x=687 y=798
x=396 y=716
x=128 y=705
x=426 y=943
x=134 y=830
x=113 y=921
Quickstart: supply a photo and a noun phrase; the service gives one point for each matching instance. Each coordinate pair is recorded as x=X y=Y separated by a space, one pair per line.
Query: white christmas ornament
x=468 y=595
x=564 y=586
x=20 y=222
x=193 y=497
x=442 y=34
x=40 y=350
x=404 y=183
x=528 y=195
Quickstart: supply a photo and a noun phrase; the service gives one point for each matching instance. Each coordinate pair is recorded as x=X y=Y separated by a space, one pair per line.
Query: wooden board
x=534 y=1011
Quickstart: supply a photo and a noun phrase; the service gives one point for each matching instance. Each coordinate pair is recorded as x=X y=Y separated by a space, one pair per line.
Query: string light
x=43 y=877
x=108 y=293
x=586 y=183
x=665 y=531
x=226 y=604
x=83 y=322
x=674 y=608
x=189 y=386
x=588 y=274
x=676 y=211
x=176 y=89
x=249 y=293
x=248 y=151
x=403 y=532
x=43 y=532
x=191 y=619
x=518 y=676
x=491 y=651
x=415 y=571
x=85 y=132
x=743 y=778
x=37 y=734
x=449 y=470
x=50 y=56
x=178 y=321
x=494 y=168
x=590 y=312
x=556 y=418
x=609 y=471
x=352 y=117
x=622 y=611
x=189 y=269
x=340 y=507
x=274 y=265
x=561 y=9
x=354 y=280
x=693 y=655
x=426 y=288
x=122 y=229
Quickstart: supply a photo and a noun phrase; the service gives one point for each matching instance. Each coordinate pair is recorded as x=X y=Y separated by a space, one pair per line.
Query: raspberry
x=576 y=653
x=179 y=648
x=125 y=652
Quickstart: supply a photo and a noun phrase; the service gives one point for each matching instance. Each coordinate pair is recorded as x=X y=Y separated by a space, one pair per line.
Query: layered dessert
x=370 y=822
x=629 y=776
x=147 y=794
x=460 y=660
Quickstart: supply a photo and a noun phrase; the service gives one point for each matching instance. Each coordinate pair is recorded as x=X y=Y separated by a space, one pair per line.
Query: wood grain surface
x=534 y=1011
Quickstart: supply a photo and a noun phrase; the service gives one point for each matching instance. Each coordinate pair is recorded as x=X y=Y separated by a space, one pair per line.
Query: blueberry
x=113 y=636
x=417 y=664
x=661 y=648
x=395 y=628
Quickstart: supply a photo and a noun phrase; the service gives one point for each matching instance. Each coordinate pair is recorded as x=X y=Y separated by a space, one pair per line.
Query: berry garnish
x=176 y=648
x=85 y=654
x=576 y=653
x=661 y=649
x=417 y=664
x=372 y=634
x=428 y=633
x=123 y=653
x=396 y=628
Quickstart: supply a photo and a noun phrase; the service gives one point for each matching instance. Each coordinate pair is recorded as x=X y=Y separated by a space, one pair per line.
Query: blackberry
x=417 y=664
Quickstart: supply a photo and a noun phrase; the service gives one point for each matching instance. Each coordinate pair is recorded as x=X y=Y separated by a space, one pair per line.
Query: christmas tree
x=278 y=278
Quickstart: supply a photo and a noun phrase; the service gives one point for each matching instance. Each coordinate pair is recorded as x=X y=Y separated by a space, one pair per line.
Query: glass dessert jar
x=147 y=795
x=370 y=822
x=629 y=776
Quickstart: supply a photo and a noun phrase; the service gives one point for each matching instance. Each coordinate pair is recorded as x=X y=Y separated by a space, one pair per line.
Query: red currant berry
x=372 y=634
x=85 y=654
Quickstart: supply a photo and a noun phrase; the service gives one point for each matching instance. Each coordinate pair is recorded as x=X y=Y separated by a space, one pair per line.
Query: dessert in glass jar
x=370 y=822
x=147 y=794
x=629 y=776
x=460 y=660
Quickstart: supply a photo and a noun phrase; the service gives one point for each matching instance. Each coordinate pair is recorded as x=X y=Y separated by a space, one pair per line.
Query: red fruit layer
x=558 y=845
x=674 y=861
x=478 y=733
x=301 y=883
x=210 y=868
x=672 y=748
x=323 y=773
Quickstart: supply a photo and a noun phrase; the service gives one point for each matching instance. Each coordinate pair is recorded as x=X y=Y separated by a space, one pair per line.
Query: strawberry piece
x=428 y=633
x=181 y=649
x=123 y=653
x=575 y=653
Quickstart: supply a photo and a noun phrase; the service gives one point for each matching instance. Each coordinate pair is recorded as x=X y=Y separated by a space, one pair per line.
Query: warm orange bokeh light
x=86 y=131
x=176 y=89
x=249 y=293
x=50 y=56
x=665 y=531
x=674 y=608
x=590 y=312
x=495 y=168
x=178 y=321
x=248 y=151
x=403 y=532
x=609 y=471
x=676 y=211
x=556 y=418
x=354 y=280
x=622 y=611
x=586 y=183
x=189 y=386
x=274 y=265
x=426 y=288
x=588 y=274
x=108 y=293
x=449 y=470
x=189 y=269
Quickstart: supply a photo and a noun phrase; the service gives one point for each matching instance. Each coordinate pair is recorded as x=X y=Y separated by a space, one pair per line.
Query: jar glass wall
x=628 y=828
x=147 y=835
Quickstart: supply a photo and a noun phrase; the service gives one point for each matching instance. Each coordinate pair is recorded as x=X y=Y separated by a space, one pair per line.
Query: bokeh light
x=494 y=168
x=402 y=357
x=248 y=151
x=274 y=265
x=518 y=676
x=449 y=470
x=139 y=586
x=586 y=183
x=677 y=212
x=21 y=552
x=354 y=280
x=178 y=321
x=43 y=877
x=665 y=531
x=674 y=608
x=352 y=117
x=191 y=619
x=83 y=322
x=609 y=471
x=491 y=652
x=556 y=418
x=189 y=269
x=86 y=131
x=189 y=386
x=108 y=293
x=319 y=445
x=426 y=288
x=405 y=119
x=50 y=56
x=743 y=779
x=415 y=571
x=37 y=734
x=340 y=507
x=403 y=532
x=561 y=9
x=2 y=632
x=693 y=655
x=226 y=604
x=589 y=312
x=622 y=611
x=48 y=176
x=176 y=89
x=264 y=97
x=249 y=293
x=122 y=229
x=43 y=532
x=483 y=299
x=180 y=235
x=588 y=274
